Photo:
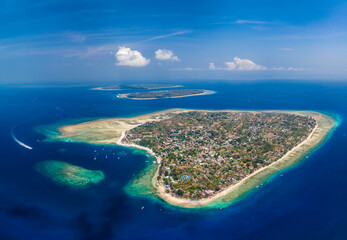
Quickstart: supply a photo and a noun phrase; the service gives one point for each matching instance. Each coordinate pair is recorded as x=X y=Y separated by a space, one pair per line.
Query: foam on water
x=19 y=142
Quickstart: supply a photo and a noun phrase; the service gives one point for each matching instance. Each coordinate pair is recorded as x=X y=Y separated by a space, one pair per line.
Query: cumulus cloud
x=127 y=57
x=238 y=64
x=245 y=65
x=230 y=65
x=165 y=54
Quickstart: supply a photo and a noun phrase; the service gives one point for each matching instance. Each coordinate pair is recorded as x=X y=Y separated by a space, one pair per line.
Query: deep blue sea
x=308 y=202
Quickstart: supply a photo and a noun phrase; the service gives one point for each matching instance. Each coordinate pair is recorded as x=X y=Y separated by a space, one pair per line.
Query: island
x=68 y=174
x=209 y=157
x=136 y=87
x=165 y=94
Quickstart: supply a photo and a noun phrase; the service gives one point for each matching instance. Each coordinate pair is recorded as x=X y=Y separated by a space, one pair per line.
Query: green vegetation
x=165 y=94
x=217 y=149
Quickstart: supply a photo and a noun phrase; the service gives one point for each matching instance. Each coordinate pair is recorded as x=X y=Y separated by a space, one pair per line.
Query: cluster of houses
x=218 y=149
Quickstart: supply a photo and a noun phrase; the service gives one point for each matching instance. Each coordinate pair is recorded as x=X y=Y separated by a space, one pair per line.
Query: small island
x=209 y=157
x=203 y=153
x=136 y=87
x=165 y=94
x=69 y=175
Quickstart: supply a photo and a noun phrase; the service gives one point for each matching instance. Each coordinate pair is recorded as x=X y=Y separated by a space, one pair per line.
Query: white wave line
x=19 y=142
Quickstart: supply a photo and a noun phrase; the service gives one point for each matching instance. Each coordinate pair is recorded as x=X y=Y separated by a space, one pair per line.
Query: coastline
x=198 y=203
x=206 y=92
x=121 y=143
x=324 y=124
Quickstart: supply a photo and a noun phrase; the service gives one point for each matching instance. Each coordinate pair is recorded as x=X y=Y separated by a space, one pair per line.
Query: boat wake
x=19 y=142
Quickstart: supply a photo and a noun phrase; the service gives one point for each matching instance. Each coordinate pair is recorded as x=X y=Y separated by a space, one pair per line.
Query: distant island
x=165 y=94
x=205 y=157
x=137 y=87
x=68 y=174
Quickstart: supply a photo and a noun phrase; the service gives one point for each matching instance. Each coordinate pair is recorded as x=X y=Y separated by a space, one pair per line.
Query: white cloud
x=295 y=69
x=165 y=54
x=186 y=69
x=191 y=69
x=250 y=22
x=212 y=66
x=127 y=57
x=238 y=64
x=168 y=35
x=246 y=65
x=230 y=65
x=286 y=69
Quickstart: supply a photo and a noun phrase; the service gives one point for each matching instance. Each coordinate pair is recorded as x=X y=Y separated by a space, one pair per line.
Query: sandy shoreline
x=197 y=203
x=295 y=154
x=206 y=92
x=121 y=143
x=100 y=132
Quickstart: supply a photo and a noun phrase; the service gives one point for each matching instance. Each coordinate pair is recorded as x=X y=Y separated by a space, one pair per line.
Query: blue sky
x=84 y=41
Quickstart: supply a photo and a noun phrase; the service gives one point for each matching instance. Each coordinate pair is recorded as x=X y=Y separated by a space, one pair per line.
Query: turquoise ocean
x=307 y=201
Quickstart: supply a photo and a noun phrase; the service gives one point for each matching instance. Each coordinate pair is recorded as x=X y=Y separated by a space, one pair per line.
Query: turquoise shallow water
x=69 y=175
x=307 y=202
